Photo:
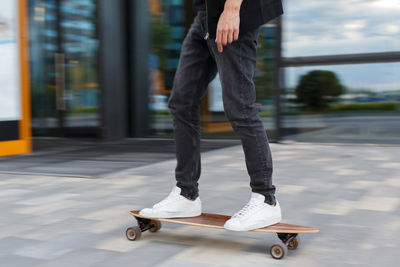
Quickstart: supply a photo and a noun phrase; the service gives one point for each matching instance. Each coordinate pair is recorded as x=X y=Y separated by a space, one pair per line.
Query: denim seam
x=190 y=194
x=193 y=140
x=241 y=79
x=259 y=152
x=198 y=87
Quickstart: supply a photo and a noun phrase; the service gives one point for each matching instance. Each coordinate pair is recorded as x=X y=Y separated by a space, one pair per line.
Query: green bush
x=83 y=110
x=385 y=106
x=317 y=88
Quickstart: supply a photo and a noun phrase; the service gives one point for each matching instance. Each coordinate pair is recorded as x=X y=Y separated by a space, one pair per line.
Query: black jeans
x=198 y=65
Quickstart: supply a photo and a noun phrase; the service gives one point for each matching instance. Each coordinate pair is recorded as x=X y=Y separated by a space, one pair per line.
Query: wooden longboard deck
x=217 y=221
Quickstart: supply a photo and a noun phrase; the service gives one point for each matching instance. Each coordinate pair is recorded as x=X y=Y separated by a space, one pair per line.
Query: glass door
x=64 y=77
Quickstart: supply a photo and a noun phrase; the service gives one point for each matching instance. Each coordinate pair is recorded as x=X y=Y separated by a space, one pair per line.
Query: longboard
x=287 y=233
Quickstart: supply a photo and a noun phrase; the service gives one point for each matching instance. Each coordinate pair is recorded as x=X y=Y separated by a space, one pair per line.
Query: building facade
x=104 y=69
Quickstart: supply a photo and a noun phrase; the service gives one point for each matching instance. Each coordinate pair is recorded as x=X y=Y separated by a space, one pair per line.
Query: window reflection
x=66 y=95
x=168 y=31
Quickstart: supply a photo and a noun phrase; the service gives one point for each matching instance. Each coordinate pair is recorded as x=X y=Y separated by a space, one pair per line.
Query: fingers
x=220 y=47
x=230 y=37
x=218 y=40
x=225 y=37
x=227 y=29
x=236 y=35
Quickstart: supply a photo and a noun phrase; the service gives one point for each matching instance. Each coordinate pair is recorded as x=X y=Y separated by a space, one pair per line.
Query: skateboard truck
x=134 y=233
x=287 y=238
x=144 y=224
x=290 y=241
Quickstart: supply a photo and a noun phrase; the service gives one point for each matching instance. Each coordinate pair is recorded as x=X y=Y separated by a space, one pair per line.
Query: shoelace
x=171 y=197
x=247 y=208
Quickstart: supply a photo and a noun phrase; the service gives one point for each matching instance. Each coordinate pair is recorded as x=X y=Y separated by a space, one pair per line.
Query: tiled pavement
x=95 y=159
x=350 y=192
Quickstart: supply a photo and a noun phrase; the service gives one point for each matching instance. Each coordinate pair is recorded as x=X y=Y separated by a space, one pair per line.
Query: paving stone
x=150 y=255
x=82 y=257
x=18 y=261
x=345 y=191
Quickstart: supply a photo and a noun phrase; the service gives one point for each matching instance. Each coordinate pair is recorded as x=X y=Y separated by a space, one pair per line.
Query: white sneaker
x=255 y=214
x=174 y=206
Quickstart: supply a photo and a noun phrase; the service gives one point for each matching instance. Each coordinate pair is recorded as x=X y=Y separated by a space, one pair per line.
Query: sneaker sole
x=253 y=227
x=170 y=215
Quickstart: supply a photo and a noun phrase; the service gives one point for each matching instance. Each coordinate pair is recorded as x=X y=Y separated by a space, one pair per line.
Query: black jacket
x=253 y=13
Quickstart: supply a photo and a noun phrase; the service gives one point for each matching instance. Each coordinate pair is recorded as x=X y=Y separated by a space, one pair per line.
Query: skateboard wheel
x=155 y=226
x=133 y=233
x=278 y=251
x=294 y=243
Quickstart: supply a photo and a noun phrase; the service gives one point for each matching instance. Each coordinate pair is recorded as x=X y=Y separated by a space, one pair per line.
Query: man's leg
x=195 y=70
x=236 y=67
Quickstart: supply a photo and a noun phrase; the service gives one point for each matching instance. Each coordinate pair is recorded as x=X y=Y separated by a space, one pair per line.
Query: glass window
x=168 y=31
x=366 y=109
x=354 y=103
x=63 y=56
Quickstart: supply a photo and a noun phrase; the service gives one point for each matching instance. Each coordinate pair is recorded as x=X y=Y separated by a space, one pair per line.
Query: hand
x=228 y=24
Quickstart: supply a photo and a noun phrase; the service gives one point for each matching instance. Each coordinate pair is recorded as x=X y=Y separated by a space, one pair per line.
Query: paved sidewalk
x=350 y=192
x=95 y=159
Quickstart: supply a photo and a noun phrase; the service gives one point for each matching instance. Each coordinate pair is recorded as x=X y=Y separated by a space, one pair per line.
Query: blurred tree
x=317 y=88
x=263 y=78
x=161 y=36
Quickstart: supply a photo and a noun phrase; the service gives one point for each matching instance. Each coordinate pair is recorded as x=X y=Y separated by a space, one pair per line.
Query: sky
x=328 y=27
